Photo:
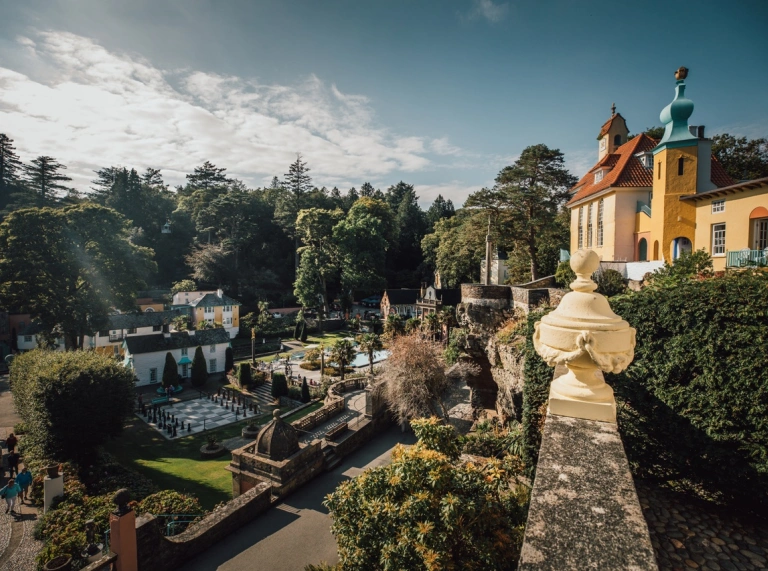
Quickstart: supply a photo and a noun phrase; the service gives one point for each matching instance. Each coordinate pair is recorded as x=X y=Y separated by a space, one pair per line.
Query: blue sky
x=441 y=94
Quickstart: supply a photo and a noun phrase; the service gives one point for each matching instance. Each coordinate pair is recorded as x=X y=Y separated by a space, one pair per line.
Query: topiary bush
x=170 y=502
x=229 y=360
x=564 y=275
x=305 y=396
x=199 y=368
x=244 y=375
x=693 y=403
x=610 y=283
x=279 y=385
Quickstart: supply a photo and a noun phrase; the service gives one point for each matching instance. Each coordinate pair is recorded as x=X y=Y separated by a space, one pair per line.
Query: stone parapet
x=584 y=511
x=495 y=296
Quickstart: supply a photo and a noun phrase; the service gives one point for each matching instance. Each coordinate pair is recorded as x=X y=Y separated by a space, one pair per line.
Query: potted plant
x=60 y=563
x=52 y=470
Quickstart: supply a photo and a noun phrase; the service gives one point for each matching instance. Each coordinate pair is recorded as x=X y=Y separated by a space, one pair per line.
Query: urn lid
x=582 y=308
x=277 y=440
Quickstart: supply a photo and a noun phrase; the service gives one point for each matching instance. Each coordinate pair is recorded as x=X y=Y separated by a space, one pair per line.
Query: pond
x=361 y=359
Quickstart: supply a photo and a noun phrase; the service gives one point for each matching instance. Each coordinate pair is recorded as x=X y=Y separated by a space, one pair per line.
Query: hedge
x=693 y=403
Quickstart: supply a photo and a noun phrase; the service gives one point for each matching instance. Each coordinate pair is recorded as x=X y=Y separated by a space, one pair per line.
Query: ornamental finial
x=681 y=73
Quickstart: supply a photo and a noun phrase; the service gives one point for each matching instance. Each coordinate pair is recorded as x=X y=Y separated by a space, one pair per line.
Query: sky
x=441 y=94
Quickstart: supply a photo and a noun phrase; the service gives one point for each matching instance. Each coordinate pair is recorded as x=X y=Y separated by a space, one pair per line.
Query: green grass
x=176 y=464
x=303 y=412
x=329 y=337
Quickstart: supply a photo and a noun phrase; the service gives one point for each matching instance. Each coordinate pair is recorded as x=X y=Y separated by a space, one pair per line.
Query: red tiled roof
x=627 y=169
x=607 y=125
x=718 y=176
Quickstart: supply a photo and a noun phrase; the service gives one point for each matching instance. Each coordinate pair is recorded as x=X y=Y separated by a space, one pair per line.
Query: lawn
x=328 y=338
x=303 y=412
x=176 y=464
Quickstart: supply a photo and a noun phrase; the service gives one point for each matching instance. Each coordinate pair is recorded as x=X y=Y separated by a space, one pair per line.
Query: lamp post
x=253 y=345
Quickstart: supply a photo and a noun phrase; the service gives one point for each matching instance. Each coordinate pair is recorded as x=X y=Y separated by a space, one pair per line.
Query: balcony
x=118 y=337
x=644 y=208
x=747 y=258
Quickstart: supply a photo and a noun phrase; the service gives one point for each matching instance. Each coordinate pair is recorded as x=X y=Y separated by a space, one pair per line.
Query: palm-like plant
x=393 y=325
x=342 y=353
x=447 y=320
x=430 y=324
x=412 y=324
x=370 y=343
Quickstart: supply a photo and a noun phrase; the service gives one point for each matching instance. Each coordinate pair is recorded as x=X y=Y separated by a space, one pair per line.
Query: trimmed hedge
x=693 y=404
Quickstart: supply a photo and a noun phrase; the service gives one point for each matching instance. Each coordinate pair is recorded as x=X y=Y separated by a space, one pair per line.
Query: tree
x=70 y=267
x=170 y=371
x=342 y=353
x=199 y=368
x=425 y=510
x=62 y=396
x=43 y=178
x=244 y=375
x=297 y=184
x=319 y=255
x=456 y=247
x=229 y=360
x=404 y=255
x=430 y=324
x=305 y=396
x=393 y=326
x=652 y=132
x=279 y=386
x=183 y=285
x=742 y=158
x=10 y=168
x=370 y=343
x=440 y=209
x=415 y=378
x=208 y=176
x=527 y=199
x=152 y=177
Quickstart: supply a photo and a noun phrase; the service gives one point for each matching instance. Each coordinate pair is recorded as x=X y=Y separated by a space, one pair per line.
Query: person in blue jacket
x=24 y=479
x=10 y=492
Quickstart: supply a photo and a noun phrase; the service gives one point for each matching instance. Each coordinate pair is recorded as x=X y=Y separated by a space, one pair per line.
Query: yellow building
x=629 y=206
x=217 y=309
x=732 y=224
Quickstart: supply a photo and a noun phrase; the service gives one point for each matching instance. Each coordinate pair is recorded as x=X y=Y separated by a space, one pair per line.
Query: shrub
x=564 y=275
x=19 y=428
x=279 y=385
x=610 y=283
x=244 y=375
x=294 y=393
x=229 y=360
x=170 y=502
x=305 y=397
x=310 y=365
x=259 y=377
x=693 y=401
x=199 y=368
x=170 y=371
x=71 y=402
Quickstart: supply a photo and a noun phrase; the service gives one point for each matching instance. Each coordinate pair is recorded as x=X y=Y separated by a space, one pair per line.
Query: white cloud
x=96 y=108
x=489 y=10
x=456 y=191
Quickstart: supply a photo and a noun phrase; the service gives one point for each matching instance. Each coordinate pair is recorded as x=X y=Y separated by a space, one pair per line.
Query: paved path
x=690 y=534
x=297 y=531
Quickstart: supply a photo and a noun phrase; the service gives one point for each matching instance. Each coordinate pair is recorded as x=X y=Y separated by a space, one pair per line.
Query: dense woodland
x=288 y=242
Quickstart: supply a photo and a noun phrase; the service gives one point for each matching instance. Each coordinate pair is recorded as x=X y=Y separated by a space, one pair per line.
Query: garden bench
x=336 y=431
x=160 y=400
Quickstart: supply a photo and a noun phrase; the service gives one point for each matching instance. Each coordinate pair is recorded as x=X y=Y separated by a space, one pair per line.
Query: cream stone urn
x=585 y=336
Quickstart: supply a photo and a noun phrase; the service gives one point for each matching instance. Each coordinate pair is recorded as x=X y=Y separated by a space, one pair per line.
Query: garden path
x=690 y=534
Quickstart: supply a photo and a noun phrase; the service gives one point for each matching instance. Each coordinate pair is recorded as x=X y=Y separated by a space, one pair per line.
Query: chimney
x=700 y=133
x=220 y=293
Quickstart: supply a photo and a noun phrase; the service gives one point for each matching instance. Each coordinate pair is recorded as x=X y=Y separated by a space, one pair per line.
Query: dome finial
x=681 y=73
x=613 y=110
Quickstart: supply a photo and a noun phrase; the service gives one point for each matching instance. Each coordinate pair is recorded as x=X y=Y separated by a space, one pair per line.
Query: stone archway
x=681 y=245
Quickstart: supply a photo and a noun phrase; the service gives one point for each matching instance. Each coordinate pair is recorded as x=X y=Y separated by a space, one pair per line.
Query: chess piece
x=189 y=427
x=218 y=393
x=182 y=425
x=177 y=422
x=237 y=413
x=174 y=431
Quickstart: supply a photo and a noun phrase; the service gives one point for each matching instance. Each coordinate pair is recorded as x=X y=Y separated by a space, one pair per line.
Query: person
x=9 y=493
x=13 y=464
x=11 y=442
x=24 y=479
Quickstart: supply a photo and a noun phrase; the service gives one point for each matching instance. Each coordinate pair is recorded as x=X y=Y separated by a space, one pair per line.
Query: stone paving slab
x=687 y=533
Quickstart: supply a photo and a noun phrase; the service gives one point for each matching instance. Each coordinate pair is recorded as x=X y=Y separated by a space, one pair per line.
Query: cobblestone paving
x=689 y=534
x=23 y=557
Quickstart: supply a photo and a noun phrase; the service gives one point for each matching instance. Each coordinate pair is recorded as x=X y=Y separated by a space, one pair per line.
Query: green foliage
x=342 y=353
x=170 y=371
x=610 y=283
x=303 y=333
x=63 y=396
x=693 y=401
x=244 y=375
x=229 y=360
x=687 y=266
x=170 y=502
x=279 y=385
x=199 y=368
x=183 y=285
x=495 y=441
x=294 y=393
x=305 y=396
x=742 y=158
x=457 y=341
x=537 y=378
x=435 y=435
x=564 y=275
x=369 y=343
x=425 y=511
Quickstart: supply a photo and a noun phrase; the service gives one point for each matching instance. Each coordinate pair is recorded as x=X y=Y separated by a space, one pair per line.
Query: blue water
x=361 y=359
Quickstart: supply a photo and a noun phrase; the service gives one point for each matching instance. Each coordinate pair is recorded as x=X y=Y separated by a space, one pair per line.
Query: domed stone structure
x=278 y=440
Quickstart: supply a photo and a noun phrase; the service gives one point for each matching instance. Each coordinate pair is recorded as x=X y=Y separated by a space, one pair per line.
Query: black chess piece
x=174 y=431
x=218 y=393
x=177 y=422
x=237 y=413
x=222 y=402
x=189 y=427
x=182 y=425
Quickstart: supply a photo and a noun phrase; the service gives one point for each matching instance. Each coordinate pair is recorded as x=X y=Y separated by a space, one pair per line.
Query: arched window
x=680 y=166
x=581 y=227
x=656 y=250
x=600 y=209
x=617 y=140
x=642 y=250
x=589 y=225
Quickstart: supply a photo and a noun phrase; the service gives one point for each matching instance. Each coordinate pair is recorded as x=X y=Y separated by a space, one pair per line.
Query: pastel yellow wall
x=673 y=218
x=738 y=227
x=155 y=306
x=218 y=315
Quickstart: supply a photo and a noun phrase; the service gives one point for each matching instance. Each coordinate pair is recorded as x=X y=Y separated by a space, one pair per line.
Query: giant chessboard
x=196 y=415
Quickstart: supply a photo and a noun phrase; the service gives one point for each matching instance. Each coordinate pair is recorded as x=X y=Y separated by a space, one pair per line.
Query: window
x=157 y=328
x=718 y=239
x=227 y=321
x=589 y=226
x=184 y=371
x=212 y=365
x=184 y=351
x=213 y=348
x=132 y=331
x=581 y=227
x=761 y=234
x=598 y=176
x=227 y=308
x=659 y=177
x=602 y=144
x=153 y=375
x=680 y=166
x=117 y=349
x=617 y=140
x=104 y=333
x=27 y=339
x=600 y=210
x=718 y=206
x=208 y=310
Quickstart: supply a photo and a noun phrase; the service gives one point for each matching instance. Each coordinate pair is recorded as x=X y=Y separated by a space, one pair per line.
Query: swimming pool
x=361 y=359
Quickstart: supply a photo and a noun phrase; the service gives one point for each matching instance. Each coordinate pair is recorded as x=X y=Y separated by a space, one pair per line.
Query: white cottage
x=145 y=354
x=26 y=339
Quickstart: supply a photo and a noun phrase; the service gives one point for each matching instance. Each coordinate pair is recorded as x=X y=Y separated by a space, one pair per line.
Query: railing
x=747 y=258
x=116 y=337
x=644 y=208
x=176 y=523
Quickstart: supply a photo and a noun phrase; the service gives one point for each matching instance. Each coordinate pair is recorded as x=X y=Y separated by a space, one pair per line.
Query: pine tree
x=43 y=177
x=170 y=371
x=229 y=360
x=297 y=184
x=305 y=396
x=10 y=165
x=207 y=176
x=244 y=375
x=279 y=385
x=199 y=368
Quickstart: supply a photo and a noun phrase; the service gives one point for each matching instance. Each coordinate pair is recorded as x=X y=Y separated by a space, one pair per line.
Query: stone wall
x=157 y=552
x=485 y=295
x=544 y=283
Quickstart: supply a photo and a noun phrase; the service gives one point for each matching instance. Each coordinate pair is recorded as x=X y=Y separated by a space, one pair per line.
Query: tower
x=682 y=163
x=612 y=135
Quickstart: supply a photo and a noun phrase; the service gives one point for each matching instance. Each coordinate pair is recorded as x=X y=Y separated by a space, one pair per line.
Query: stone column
x=122 y=533
x=52 y=488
